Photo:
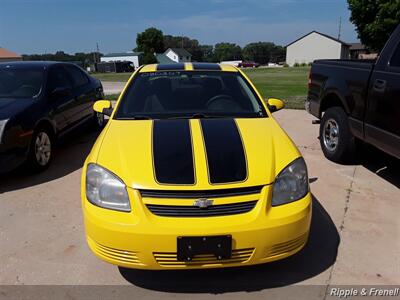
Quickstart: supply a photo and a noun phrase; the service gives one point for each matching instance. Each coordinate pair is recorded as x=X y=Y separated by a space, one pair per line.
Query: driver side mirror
x=103 y=106
x=275 y=104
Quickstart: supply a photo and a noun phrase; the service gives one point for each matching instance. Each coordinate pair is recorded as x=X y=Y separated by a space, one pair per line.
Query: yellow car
x=192 y=171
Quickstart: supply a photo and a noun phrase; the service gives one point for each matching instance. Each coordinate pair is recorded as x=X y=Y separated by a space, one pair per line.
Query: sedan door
x=60 y=97
x=84 y=92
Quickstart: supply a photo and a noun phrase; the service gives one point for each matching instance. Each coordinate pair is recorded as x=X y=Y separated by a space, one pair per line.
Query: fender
x=338 y=90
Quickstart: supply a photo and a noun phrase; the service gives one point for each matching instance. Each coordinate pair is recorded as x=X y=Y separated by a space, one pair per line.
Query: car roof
x=31 y=64
x=188 y=67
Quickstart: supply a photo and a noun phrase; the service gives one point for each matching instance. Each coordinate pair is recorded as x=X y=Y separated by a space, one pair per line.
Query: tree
x=147 y=58
x=207 y=52
x=258 y=52
x=278 y=54
x=227 y=51
x=150 y=41
x=263 y=52
x=375 y=20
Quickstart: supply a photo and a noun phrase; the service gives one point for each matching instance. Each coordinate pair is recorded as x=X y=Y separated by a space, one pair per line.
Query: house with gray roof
x=174 y=55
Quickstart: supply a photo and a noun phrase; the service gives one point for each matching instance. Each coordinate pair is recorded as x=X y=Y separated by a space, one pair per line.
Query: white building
x=315 y=45
x=178 y=55
x=127 y=56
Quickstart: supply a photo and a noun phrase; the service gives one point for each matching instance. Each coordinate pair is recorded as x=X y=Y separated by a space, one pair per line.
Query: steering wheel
x=222 y=102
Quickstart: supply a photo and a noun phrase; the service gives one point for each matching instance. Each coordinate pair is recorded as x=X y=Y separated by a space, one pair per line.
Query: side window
x=395 y=60
x=58 y=78
x=78 y=77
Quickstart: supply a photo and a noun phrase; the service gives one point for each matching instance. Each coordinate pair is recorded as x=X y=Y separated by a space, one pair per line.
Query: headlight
x=2 y=126
x=291 y=184
x=106 y=190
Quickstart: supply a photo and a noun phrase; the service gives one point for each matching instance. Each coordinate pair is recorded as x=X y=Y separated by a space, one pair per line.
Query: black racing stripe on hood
x=225 y=152
x=172 y=152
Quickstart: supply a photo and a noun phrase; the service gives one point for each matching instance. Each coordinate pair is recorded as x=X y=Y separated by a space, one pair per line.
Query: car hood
x=195 y=154
x=10 y=107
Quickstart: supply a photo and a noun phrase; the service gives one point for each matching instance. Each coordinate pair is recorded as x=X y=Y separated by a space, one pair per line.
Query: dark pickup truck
x=357 y=100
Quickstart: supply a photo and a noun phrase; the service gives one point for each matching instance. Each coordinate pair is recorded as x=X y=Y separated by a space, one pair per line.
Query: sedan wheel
x=42 y=148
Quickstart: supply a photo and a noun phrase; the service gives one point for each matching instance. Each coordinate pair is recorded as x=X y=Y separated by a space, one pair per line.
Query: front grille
x=117 y=255
x=202 y=194
x=169 y=259
x=193 y=211
x=285 y=247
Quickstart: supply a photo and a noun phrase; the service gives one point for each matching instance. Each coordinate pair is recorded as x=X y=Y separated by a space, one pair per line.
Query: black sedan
x=39 y=102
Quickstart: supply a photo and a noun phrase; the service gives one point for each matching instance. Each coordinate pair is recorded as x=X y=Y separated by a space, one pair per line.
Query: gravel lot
x=355 y=235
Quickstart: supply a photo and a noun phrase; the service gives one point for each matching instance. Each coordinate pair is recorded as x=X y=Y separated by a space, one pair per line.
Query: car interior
x=189 y=93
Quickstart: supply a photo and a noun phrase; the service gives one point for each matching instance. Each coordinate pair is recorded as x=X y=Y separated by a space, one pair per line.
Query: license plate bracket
x=189 y=246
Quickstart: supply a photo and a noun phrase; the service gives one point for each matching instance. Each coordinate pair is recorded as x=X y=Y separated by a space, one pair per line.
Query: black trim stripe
x=164 y=67
x=172 y=152
x=206 y=66
x=233 y=192
x=225 y=152
x=193 y=211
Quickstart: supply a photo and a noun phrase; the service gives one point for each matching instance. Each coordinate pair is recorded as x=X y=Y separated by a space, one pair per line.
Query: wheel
x=41 y=150
x=337 y=141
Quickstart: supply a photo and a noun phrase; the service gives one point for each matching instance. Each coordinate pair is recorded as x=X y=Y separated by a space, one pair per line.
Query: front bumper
x=11 y=158
x=142 y=240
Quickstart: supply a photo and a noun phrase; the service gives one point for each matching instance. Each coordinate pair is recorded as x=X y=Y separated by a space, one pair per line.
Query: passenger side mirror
x=61 y=92
x=275 y=104
x=103 y=107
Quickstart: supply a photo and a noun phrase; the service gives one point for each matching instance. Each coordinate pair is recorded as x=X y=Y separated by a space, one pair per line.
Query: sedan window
x=20 y=83
x=78 y=77
x=58 y=78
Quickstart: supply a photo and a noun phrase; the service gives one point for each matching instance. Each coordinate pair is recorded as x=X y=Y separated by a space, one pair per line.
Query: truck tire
x=337 y=141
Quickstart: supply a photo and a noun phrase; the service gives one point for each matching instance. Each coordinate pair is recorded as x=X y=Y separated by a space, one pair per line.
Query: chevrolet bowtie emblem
x=203 y=203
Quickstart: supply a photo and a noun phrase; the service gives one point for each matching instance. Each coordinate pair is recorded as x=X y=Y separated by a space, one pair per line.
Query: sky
x=46 y=26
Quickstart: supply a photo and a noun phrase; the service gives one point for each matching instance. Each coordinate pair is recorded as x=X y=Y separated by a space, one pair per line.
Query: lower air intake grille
x=169 y=259
x=193 y=211
x=117 y=255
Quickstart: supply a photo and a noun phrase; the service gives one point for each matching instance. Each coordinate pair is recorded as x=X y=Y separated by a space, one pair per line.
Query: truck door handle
x=380 y=85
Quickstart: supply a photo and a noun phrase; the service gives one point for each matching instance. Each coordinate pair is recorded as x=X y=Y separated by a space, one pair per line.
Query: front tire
x=41 y=150
x=337 y=142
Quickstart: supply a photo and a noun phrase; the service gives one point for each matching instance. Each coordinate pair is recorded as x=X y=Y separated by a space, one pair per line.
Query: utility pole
x=340 y=27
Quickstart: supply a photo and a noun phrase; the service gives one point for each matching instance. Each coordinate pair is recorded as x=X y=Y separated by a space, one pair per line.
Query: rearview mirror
x=103 y=107
x=275 y=104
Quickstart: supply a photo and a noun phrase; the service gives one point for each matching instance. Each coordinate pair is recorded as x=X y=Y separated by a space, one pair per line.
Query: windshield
x=189 y=94
x=20 y=83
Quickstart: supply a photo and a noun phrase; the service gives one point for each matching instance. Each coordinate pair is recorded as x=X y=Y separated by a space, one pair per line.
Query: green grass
x=288 y=84
x=112 y=76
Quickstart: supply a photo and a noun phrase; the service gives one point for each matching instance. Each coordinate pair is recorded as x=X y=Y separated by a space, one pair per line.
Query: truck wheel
x=337 y=141
x=41 y=150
